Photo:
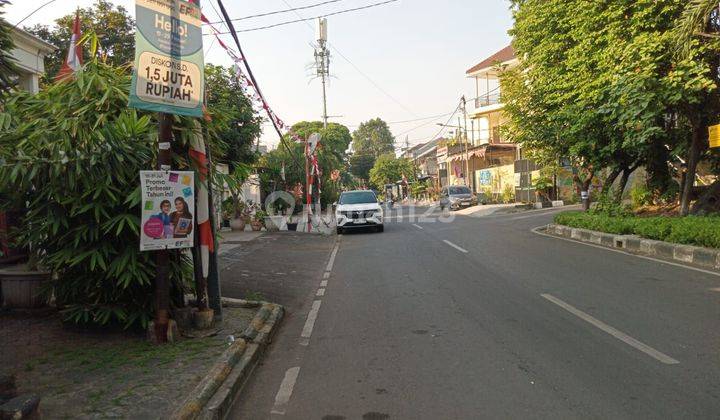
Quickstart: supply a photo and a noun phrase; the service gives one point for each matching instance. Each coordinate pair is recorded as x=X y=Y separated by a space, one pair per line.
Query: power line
x=281 y=11
x=32 y=13
x=252 y=78
x=357 y=69
x=305 y=20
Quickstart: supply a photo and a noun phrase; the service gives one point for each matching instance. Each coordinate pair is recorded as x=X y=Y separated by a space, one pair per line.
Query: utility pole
x=162 y=257
x=467 y=156
x=322 y=63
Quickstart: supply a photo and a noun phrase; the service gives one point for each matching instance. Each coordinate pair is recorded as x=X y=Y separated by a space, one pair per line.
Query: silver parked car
x=456 y=197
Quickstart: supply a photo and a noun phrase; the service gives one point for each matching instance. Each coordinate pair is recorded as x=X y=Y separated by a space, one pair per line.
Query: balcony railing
x=492 y=98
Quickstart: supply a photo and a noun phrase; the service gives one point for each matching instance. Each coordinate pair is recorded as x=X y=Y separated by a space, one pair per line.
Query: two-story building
x=495 y=164
x=29 y=54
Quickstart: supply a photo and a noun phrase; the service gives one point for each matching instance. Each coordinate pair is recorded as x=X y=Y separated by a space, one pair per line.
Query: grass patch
x=690 y=230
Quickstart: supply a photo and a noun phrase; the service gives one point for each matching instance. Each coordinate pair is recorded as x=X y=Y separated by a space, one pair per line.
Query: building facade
x=29 y=53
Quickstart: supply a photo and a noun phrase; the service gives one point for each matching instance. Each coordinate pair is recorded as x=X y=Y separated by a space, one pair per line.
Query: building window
x=484 y=129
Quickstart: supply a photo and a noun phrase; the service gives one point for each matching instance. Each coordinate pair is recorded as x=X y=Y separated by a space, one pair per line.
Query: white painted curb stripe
x=537 y=232
x=285 y=391
x=661 y=357
x=310 y=322
x=455 y=246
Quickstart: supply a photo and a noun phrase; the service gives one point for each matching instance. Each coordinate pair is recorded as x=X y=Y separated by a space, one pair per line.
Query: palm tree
x=694 y=22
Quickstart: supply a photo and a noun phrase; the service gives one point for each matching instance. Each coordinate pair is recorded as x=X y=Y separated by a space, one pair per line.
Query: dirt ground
x=82 y=374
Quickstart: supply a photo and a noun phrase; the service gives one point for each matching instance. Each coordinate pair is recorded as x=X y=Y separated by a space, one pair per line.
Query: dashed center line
x=465 y=251
x=661 y=357
x=418 y=226
x=320 y=292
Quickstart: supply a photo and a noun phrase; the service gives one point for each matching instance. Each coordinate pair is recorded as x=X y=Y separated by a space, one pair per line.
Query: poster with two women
x=168 y=205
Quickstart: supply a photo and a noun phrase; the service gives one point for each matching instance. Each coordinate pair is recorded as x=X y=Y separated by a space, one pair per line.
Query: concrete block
x=596 y=238
x=705 y=257
x=632 y=243
x=558 y=203
x=172 y=333
x=683 y=253
x=575 y=234
x=538 y=205
x=584 y=235
x=647 y=246
x=607 y=240
x=203 y=320
x=664 y=249
x=21 y=407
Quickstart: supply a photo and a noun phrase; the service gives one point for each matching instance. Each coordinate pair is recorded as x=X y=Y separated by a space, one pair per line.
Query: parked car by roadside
x=359 y=209
x=456 y=197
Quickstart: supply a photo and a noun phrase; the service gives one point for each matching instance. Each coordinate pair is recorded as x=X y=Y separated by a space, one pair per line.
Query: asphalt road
x=481 y=318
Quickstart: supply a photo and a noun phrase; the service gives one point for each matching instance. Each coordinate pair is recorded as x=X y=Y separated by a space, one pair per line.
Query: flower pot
x=237 y=224
x=273 y=223
x=292 y=226
x=21 y=288
x=256 y=225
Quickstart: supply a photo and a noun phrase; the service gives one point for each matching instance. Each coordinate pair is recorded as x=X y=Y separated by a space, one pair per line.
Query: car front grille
x=362 y=214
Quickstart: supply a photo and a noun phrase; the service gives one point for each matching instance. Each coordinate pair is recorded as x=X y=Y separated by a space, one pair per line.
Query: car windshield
x=360 y=197
x=459 y=190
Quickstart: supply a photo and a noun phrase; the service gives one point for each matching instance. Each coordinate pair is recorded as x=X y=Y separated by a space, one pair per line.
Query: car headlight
x=454 y=199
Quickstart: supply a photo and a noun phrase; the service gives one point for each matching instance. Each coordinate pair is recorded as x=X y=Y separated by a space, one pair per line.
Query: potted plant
x=258 y=220
x=23 y=284
x=292 y=223
x=238 y=215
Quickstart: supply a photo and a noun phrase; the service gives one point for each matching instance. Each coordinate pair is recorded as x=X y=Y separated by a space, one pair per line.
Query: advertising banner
x=169 y=67
x=168 y=205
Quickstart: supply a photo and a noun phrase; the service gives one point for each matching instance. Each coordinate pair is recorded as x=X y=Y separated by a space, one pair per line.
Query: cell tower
x=322 y=62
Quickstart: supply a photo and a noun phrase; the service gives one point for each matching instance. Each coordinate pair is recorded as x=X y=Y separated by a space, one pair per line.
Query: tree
x=360 y=165
x=115 y=31
x=334 y=143
x=389 y=169
x=236 y=123
x=8 y=68
x=373 y=137
x=598 y=84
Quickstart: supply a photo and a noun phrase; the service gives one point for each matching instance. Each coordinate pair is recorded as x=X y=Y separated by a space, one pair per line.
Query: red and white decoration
x=73 y=61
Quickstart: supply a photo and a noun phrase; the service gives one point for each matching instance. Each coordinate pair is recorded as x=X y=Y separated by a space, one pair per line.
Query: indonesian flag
x=197 y=154
x=73 y=61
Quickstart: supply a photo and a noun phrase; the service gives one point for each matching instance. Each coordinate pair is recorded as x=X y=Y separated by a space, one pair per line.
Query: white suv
x=358 y=209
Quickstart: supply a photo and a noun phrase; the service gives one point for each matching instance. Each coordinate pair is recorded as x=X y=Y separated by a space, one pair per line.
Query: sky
x=401 y=61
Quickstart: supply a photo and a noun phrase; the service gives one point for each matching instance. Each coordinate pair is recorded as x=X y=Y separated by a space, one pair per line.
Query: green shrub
x=657 y=228
x=74 y=151
x=700 y=231
x=641 y=196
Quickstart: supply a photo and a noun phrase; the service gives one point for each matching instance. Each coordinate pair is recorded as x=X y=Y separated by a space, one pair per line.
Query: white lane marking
x=332 y=257
x=323 y=283
x=418 y=226
x=661 y=357
x=320 y=292
x=455 y=246
x=310 y=321
x=537 y=232
x=326 y=275
x=285 y=392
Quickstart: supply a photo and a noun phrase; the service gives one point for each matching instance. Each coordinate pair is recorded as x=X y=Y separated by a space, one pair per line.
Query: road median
x=708 y=258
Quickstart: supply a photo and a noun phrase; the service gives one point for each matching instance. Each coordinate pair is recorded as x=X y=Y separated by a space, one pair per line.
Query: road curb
x=214 y=395
x=682 y=254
